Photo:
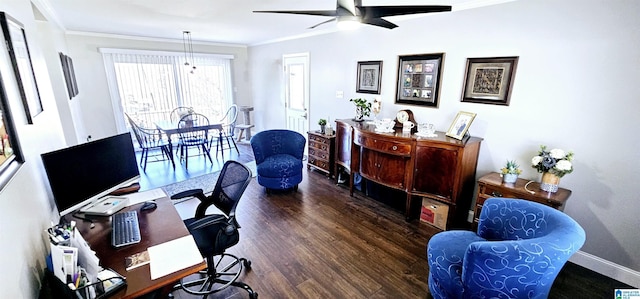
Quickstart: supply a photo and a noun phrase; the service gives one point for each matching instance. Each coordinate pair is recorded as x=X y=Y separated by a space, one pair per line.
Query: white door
x=296 y=89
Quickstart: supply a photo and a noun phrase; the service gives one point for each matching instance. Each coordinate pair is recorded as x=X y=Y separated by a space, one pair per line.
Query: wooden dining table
x=171 y=127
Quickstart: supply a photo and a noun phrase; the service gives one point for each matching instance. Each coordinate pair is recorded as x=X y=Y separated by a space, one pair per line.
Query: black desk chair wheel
x=215 y=233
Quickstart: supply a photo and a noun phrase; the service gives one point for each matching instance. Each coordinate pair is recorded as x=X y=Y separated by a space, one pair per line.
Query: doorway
x=296 y=81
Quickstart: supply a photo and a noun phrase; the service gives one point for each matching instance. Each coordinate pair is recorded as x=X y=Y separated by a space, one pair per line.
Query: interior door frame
x=306 y=81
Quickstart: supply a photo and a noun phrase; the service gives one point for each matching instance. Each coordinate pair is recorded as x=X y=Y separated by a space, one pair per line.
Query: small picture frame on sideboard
x=460 y=125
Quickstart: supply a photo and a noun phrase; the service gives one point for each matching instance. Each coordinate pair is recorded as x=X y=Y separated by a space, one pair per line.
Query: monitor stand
x=106 y=206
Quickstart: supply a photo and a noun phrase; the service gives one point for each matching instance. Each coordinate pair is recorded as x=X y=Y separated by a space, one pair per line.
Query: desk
x=156 y=227
x=170 y=128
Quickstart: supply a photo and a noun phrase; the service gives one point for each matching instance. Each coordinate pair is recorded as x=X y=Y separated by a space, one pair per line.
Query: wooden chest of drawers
x=491 y=185
x=321 y=152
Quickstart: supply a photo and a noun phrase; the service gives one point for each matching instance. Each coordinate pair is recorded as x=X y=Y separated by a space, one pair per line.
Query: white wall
x=576 y=88
x=95 y=108
x=26 y=208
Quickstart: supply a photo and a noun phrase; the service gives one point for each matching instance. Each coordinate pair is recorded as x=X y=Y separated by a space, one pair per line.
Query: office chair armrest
x=190 y=193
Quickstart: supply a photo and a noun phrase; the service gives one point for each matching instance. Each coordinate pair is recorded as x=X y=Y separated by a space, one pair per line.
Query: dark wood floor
x=319 y=242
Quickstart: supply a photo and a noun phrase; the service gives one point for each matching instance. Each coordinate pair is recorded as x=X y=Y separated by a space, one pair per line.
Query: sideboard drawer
x=385 y=146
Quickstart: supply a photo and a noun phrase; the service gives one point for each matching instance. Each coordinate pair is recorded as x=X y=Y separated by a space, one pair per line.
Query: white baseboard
x=607 y=268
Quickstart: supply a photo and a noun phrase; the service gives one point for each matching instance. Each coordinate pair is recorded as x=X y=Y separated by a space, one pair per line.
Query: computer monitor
x=80 y=175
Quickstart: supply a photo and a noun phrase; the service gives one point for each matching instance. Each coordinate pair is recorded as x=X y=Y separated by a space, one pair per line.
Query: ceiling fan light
x=348 y=24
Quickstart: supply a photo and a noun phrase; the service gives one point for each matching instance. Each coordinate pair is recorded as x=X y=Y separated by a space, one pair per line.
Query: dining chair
x=177 y=113
x=227 y=133
x=192 y=136
x=150 y=140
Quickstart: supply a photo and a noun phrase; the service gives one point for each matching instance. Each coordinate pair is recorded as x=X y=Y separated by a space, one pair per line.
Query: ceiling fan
x=352 y=10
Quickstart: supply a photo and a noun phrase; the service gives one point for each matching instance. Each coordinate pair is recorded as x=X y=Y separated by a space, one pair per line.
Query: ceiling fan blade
x=327 y=21
x=348 y=5
x=379 y=22
x=387 y=11
x=326 y=13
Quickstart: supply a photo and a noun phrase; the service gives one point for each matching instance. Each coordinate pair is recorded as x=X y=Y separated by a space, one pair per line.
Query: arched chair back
x=148 y=141
x=517 y=252
x=227 y=134
x=191 y=135
x=177 y=113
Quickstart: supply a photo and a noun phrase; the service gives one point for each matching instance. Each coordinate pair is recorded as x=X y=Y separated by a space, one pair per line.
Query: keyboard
x=125 y=228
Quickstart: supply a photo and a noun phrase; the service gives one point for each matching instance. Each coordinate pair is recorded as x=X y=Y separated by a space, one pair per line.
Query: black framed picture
x=16 y=41
x=419 y=79
x=10 y=152
x=489 y=80
x=369 y=73
x=69 y=75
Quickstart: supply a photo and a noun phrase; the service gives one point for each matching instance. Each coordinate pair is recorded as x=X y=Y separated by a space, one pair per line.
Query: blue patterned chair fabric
x=278 y=156
x=518 y=251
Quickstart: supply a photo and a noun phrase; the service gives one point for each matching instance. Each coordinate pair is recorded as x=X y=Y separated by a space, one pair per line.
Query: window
x=148 y=85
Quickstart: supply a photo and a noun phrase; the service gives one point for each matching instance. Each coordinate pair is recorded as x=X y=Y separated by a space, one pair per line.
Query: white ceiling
x=220 y=21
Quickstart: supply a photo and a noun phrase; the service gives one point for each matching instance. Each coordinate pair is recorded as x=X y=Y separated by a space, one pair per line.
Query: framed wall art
x=369 y=73
x=16 y=41
x=460 y=125
x=11 y=157
x=419 y=79
x=489 y=80
x=69 y=75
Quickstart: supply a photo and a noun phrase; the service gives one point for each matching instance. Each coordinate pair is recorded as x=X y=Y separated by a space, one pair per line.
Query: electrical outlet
x=339 y=94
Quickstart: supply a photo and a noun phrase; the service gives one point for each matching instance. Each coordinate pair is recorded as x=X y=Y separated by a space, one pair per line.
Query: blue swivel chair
x=278 y=156
x=518 y=251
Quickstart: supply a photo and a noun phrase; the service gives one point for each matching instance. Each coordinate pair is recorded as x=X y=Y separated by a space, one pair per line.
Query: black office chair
x=217 y=232
x=191 y=136
x=150 y=140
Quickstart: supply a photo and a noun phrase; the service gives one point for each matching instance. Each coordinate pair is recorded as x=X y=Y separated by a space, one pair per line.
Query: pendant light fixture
x=188 y=50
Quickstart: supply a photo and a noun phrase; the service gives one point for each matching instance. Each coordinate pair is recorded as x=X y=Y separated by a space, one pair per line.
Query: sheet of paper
x=86 y=257
x=149 y=195
x=173 y=256
x=57 y=260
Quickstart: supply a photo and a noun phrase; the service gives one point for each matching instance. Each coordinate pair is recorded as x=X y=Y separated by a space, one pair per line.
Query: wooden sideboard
x=440 y=168
x=491 y=185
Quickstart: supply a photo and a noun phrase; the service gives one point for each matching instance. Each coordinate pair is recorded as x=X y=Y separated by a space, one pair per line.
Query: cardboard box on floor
x=434 y=213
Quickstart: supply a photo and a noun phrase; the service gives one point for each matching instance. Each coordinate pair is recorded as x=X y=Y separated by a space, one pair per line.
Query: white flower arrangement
x=555 y=161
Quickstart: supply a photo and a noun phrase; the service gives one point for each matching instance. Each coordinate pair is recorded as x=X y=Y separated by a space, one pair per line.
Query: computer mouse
x=148 y=205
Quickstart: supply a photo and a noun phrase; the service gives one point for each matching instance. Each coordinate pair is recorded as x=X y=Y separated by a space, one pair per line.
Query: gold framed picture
x=460 y=125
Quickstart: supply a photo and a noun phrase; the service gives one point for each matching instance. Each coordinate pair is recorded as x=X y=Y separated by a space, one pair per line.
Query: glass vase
x=549 y=182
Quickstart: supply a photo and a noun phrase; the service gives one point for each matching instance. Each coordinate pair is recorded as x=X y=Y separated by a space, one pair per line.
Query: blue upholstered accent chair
x=278 y=156
x=518 y=251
